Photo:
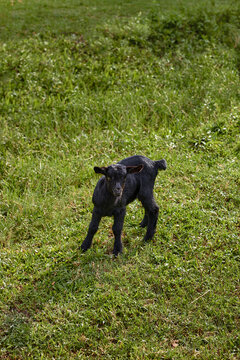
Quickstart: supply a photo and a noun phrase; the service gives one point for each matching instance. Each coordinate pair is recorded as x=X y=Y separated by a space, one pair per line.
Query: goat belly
x=131 y=189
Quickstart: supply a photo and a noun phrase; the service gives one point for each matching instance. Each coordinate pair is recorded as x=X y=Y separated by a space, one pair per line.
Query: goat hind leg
x=144 y=221
x=152 y=223
x=152 y=210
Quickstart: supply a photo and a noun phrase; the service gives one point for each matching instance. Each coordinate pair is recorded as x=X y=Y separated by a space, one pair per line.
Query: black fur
x=122 y=183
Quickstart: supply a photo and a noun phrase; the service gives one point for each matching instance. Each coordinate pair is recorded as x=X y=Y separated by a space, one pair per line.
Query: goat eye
x=108 y=178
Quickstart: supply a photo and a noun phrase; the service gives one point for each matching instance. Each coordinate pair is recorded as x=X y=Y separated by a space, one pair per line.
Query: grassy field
x=84 y=85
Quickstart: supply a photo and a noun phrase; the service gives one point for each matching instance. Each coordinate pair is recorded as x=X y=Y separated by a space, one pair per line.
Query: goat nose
x=117 y=189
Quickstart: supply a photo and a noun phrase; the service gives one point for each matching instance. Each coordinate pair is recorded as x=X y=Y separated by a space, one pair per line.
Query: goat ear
x=134 y=169
x=100 y=170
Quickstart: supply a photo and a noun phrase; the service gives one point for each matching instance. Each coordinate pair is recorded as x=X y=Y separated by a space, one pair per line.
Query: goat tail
x=161 y=164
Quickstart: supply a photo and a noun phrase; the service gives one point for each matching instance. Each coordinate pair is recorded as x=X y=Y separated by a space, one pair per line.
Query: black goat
x=122 y=183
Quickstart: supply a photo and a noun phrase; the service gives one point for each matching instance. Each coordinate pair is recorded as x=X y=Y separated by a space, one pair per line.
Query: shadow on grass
x=68 y=279
x=54 y=285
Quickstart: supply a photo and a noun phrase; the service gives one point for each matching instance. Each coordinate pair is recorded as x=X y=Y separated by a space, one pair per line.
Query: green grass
x=89 y=84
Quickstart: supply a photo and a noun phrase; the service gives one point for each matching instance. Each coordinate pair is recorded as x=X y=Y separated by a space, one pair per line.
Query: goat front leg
x=117 y=230
x=93 y=227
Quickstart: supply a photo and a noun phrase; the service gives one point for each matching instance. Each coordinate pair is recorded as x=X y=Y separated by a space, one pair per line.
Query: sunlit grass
x=162 y=83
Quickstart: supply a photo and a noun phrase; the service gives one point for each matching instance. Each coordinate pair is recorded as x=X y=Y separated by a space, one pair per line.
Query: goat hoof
x=84 y=248
x=147 y=239
x=117 y=252
x=115 y=255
